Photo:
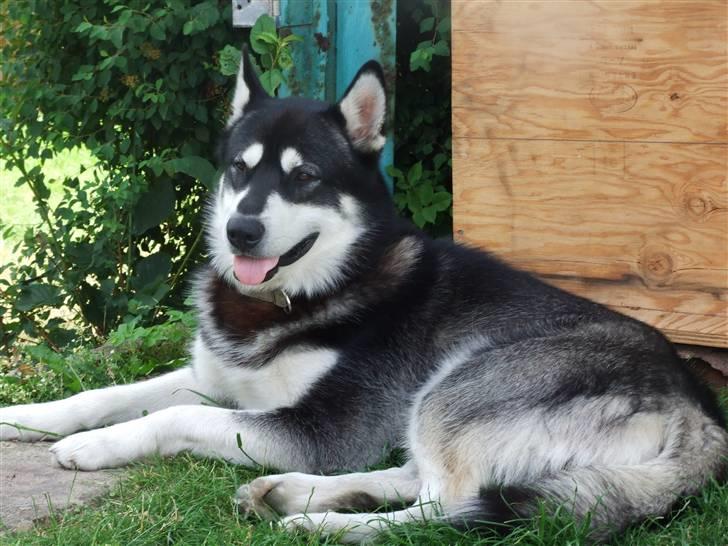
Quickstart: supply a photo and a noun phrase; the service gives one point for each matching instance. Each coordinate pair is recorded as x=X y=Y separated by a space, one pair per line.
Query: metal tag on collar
x=281 y=299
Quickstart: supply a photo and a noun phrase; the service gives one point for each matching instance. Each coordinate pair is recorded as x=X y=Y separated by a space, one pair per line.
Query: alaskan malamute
x=332 y=330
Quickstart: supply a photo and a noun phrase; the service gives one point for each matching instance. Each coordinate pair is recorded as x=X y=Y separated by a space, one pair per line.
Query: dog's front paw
x=103 y=448
x=30 y=423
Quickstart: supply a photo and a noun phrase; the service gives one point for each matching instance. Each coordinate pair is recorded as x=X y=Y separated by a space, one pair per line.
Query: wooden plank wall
x=590 y=145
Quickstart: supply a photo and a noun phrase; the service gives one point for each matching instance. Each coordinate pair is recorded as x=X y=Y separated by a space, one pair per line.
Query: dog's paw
x=30 y=423
x=278 y=495
x=102 y=448
x=251 y=498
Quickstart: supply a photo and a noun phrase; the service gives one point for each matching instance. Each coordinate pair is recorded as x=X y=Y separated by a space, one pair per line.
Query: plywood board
x=611 y=70
x=627 y=205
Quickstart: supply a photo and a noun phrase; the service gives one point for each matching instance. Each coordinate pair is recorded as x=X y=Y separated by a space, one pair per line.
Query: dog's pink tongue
x=252 y=270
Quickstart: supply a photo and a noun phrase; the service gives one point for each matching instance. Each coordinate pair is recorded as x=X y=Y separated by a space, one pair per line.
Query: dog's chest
x=281 y=382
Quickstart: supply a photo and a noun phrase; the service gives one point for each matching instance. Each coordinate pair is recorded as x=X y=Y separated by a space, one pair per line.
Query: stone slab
x=30 y=485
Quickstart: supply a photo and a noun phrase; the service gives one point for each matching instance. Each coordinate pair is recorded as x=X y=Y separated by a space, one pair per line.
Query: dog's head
x=301 y=189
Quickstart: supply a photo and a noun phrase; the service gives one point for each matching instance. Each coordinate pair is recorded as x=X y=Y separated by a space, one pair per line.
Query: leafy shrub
x=423 y=150
x=138 y=84
x=143 y=87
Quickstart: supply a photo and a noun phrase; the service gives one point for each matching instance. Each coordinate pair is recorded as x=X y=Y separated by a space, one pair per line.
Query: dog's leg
x=95 y=408
x=246 y=437
x=283 y=494
x=357 y=528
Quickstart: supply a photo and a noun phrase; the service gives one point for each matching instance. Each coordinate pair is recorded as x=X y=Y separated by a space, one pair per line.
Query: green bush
x=422 y=154
x=143 y=87
x=138 y=84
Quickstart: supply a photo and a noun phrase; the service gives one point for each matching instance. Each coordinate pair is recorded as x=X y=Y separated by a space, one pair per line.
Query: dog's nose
x=244 y=232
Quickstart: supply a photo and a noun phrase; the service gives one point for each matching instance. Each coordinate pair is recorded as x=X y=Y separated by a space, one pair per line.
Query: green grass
x=189 y=501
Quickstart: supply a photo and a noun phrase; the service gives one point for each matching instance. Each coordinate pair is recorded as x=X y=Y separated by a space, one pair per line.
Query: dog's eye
x=303 y=176
x=240 y=165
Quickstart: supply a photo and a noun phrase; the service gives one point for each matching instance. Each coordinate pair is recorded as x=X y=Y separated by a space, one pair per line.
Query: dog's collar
x=279 y=298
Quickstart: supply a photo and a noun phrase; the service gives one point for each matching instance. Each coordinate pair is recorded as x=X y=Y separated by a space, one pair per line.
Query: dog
x=331 y=330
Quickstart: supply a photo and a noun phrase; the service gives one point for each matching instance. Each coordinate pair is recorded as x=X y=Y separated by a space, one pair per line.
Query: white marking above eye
x=290 y=159
x=252 y=155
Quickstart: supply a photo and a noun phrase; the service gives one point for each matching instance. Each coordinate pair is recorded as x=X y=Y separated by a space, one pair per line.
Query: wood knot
x=674 y=96
x=657 y=266
x=697 y=205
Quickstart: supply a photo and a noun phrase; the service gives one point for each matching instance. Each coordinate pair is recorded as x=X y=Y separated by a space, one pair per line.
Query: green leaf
x=415 y=172
x=190 y=27
x=420 y=59
x=418 y=219
x=394 y=172
x=292 y=38
x=444 y=25
x=427 y=24
x=429 y=214
x=196 y=167
x=151 y=271
x=268 y=37
x=117 y=36
x=441 y=200
x=425 y=194
x=83 y=27
x=84 y=72
x=271 y=80
x=153 y=207
x=441 y=48
x=157 y=32
x=37 y=294
x=264 y=24
x=229 y=60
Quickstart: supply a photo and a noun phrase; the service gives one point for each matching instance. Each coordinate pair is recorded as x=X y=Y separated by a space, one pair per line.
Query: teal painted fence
x=339 y=36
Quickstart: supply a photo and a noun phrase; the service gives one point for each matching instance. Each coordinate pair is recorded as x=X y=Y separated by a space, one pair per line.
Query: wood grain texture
x=627 y=206
x=608 y=70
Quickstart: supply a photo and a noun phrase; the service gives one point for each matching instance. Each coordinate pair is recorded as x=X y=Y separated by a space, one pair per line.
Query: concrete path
x=29 y=483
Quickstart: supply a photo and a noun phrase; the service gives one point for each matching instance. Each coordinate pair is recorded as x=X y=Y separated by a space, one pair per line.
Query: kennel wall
x=590 y=146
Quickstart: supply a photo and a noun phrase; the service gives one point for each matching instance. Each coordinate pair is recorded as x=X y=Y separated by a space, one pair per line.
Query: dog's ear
x=364 y=107
x=248 y=90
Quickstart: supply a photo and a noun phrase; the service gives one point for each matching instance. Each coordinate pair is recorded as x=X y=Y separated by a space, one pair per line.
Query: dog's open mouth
x=252 y=270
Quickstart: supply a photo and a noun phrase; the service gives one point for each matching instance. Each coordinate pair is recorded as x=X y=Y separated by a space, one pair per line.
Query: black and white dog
x=332 y=331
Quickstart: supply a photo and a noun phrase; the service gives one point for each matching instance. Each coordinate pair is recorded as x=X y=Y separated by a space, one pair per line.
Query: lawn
x=189 y=501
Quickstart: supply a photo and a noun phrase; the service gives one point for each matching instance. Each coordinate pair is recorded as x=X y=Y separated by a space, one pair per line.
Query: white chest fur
x=279 y=383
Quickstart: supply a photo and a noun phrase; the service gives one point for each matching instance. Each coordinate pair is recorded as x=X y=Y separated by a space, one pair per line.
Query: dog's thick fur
x=502 y=389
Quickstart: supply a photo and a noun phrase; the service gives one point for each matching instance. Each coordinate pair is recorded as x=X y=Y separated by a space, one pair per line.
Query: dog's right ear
x=248 y=90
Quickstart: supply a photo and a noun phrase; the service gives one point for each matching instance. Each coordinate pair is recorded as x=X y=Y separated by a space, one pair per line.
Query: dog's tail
x=610 y=497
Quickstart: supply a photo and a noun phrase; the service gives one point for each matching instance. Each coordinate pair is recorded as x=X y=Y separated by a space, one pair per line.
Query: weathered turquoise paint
x=314 y=60
x=339 y=36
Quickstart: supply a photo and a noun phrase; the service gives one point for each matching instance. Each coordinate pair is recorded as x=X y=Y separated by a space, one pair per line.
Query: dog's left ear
x=364 y=107
x=248 y=89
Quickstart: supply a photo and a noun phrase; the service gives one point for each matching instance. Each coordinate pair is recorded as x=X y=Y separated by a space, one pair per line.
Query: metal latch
x=246 y=12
